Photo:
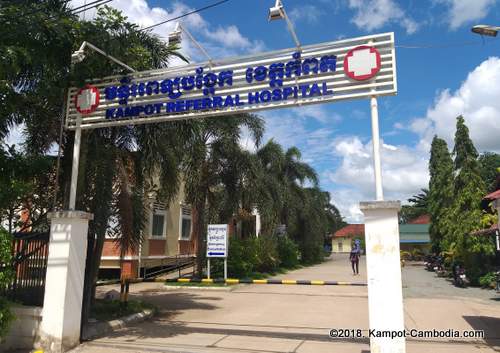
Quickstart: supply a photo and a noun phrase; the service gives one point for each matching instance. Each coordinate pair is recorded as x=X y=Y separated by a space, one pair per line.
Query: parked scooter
x=439 y=266
x=429 y=262
x=459 y=277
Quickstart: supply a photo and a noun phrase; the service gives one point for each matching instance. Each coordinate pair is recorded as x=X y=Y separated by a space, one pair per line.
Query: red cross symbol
x=87 y=99
x=362 y=63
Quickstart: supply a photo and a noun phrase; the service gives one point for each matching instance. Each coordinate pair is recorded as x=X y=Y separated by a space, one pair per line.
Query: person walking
x=354 y=257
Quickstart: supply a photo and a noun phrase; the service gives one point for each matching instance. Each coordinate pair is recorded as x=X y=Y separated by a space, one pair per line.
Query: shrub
x=241 y=259
x=288 y=252
x=267 y=254
x=488 y=280
x=417 y=254
x=6 y=274
x=405 y=255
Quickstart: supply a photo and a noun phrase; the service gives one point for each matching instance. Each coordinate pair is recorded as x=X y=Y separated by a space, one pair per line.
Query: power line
x=83 y=8
x=184 y=15
x=89 y=8
x=433 y=46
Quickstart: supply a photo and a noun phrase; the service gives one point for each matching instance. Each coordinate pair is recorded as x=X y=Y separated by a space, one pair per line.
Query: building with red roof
x=414 y=234
x=343 y=238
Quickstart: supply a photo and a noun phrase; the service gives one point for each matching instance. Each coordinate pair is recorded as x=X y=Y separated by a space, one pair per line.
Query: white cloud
x=477 y=100
x=306 y=13
x=404 y=173
x=374 y=14
x=219 y=42
x=461 y=12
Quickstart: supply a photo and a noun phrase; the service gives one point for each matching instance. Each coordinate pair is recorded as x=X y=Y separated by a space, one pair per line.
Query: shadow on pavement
x=490 y=326
x=157 y=328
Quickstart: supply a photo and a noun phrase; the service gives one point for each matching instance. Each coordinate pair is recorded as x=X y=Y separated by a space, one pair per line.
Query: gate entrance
x=357 y=68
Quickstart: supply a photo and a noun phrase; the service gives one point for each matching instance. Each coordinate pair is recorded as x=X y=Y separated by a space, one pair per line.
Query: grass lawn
x=105 y=310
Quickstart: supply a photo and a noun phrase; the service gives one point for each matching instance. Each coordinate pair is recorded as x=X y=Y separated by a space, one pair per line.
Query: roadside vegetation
x=6 y=273
x=458 y=182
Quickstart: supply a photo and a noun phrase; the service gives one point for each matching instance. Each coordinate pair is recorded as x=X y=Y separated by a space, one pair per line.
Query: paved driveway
x=294 y=318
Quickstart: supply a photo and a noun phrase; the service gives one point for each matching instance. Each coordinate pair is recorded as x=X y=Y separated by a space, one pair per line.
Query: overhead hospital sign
x=346 y=69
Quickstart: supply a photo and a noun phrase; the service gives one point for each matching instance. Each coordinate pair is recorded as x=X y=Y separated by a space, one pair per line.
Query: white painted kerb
x=383 y=266
x=62 y=305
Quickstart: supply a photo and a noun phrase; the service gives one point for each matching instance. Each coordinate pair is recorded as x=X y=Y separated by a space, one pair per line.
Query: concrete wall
x=24 y=329
x=341 y=244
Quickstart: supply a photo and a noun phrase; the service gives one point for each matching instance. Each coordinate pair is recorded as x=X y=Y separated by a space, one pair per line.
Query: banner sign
x=217 y=240
x=346 y=69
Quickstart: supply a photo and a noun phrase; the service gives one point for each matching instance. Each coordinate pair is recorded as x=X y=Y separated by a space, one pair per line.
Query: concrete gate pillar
x=62 y=304
x=383 y=267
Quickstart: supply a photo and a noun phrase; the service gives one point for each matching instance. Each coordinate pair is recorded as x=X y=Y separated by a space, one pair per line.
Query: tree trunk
x=199 y=235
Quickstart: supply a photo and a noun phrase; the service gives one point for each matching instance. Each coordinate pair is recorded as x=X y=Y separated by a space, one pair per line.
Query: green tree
x=116 y=163
x=489 y=163
x=440 y=190
x=210 y=163
x=418 y=206
x=464 y=215
x=6 y=275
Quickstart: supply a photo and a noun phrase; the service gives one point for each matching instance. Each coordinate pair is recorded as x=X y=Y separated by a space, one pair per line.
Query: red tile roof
x=493 y=196
x=423 y=219
x=350 y=230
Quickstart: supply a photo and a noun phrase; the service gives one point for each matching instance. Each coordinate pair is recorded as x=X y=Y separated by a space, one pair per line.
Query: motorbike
x=459 y=277
x=429 y=263
x=438 y=266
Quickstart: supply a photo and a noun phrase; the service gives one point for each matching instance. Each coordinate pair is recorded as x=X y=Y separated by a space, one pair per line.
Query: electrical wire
x=184 y=15
x=80 y=9
x=434 y=46
x=89 y=8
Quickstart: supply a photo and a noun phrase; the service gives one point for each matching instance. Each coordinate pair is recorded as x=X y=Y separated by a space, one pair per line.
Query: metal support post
x=76 y=162
x=225 y=268
x=376 y=150
x=208 y=267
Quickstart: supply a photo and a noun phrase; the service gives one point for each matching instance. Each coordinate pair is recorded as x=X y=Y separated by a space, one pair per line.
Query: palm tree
x=212 y=156
x=116 y=164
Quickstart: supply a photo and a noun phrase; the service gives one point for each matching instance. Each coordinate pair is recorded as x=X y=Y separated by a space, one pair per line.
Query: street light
x=486 y=30
x=79 y=55
x=277 y=12
x=175 y=37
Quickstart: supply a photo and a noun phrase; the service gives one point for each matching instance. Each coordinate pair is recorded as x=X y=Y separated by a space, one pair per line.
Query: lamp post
x=486 y=30
x=278 y=12
x=175 y=37
x=76 y=57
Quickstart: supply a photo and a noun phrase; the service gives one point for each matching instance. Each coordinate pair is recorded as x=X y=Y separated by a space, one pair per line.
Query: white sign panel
x=217 y=240
x=347 y=69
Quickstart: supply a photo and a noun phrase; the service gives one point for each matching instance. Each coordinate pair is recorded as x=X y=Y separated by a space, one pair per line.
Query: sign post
x=217 y=245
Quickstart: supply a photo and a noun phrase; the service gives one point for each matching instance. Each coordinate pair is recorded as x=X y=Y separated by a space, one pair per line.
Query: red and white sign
x=87 y=99
x=362 y=63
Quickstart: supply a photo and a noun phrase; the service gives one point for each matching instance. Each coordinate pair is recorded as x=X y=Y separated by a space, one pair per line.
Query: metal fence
x=30 y=251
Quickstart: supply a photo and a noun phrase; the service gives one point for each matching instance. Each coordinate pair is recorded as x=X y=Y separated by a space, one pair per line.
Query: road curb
x=95 y=330
x=265 y=281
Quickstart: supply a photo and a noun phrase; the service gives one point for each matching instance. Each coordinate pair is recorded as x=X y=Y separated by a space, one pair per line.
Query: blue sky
x=443 y=70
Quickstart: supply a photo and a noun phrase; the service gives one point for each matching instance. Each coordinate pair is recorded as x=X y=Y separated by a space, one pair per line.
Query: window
x=158 y=225
x=185 y=224
x=186 y=228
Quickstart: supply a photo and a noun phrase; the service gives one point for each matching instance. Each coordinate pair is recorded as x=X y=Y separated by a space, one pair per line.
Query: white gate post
x=383 y=267
x=62 y=304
